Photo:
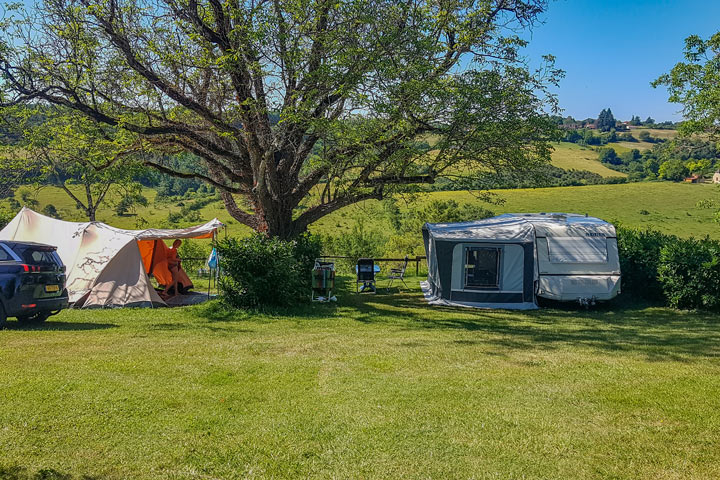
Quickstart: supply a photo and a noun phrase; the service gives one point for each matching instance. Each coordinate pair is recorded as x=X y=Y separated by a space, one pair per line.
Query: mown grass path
x=376 y=386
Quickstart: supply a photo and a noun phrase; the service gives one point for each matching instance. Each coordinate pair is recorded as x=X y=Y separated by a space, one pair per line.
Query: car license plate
x=52 y=288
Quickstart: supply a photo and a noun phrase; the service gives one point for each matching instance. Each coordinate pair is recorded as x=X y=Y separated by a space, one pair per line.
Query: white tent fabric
x=103 y=263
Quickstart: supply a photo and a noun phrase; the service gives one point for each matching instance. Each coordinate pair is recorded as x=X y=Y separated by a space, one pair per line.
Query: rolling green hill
x=571 y=156
x=669 y=207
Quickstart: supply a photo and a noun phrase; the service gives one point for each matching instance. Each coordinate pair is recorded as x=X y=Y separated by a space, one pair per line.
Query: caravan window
x=482 y=267
x=577 y=249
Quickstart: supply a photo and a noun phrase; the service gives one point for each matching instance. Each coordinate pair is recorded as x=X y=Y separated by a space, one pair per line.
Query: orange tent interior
x=155 y=255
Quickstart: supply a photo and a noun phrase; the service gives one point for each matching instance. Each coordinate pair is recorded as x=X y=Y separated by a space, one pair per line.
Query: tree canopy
x=695 y=83
x=295 y=108
x=606 y=120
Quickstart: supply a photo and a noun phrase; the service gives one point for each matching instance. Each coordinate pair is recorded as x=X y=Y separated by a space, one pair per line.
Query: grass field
x=669 y=207
x=377 y=386
x=665 y=206
x=571 y=156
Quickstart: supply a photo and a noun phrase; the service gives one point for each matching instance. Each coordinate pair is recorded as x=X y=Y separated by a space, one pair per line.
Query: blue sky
x=612 y=49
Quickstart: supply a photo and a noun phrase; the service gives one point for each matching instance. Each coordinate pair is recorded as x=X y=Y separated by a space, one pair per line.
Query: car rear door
x=44 y=271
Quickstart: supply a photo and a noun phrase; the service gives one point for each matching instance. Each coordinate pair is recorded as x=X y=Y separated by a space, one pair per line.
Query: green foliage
x=405 y=236
x=362 y=241
x=639 y=256
x=50 y=211
x=677 y=272
x=206 y=78
x=70 y=149
x=608 y=155
x=174 y=218
x=263 y=271
x=5 y=217
x=673 y=169
x=689 y=271
x=190 y=248
x=606 y=121
x=695 y=83
x=129 y=201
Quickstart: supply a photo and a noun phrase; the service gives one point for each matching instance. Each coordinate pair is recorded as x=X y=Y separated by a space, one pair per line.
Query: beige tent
x=104 y=265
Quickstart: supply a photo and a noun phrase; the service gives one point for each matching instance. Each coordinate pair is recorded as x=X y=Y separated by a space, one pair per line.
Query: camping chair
x=365 y=270
x=398 y=274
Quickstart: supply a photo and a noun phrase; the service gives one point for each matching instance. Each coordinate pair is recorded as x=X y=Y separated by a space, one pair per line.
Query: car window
x=4 y=256
x=35 y=255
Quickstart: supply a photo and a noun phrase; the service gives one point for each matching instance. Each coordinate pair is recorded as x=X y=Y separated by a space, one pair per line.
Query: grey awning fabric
x=491 y=229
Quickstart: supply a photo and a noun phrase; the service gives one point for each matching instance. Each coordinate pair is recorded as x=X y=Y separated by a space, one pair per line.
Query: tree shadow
x=16 y=472
x=57 y=325
x=622 y=325
x=657 y=333
x=217 y=311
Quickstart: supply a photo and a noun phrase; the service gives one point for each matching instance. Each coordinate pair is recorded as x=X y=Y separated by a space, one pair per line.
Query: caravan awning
x=496 y=229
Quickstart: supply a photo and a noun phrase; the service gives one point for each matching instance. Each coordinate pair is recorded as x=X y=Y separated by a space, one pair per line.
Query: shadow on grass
x=57 y=325
x=21 y=473
x=618 y=326
x=658 y=333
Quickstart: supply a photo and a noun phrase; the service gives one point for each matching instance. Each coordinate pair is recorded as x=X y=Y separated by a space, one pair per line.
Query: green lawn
x=373 y=387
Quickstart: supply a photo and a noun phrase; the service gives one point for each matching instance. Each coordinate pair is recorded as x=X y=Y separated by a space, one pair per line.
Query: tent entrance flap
x=154 y=255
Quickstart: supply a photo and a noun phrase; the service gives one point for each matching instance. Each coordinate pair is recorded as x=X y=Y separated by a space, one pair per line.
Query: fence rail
x=416 y=260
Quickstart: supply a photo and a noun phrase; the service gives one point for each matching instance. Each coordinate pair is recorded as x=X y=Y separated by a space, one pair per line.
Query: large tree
x=695 y=84
x=314 y=104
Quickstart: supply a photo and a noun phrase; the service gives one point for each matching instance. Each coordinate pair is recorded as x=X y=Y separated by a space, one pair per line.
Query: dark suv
x=32 y=282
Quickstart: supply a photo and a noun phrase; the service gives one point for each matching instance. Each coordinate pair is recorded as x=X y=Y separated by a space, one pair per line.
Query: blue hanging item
x=213 y=259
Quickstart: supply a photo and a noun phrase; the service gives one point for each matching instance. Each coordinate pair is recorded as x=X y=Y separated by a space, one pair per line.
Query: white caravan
x=509 y=260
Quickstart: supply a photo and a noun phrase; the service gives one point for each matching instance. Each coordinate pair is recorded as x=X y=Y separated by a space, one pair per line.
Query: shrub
x=50 y=211
x=689 y=272
x=5 y=218
x=262 y=271
x=608 y=155
x=307 y=248
x=358 y=243
x=639 y=254
x=679 y=273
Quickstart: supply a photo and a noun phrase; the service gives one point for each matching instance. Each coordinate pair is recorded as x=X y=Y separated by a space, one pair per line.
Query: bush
x=608 y=155
x=5 y=218
x=679 y=273
x=360 y=242
x=50 y=211
x=262 y=271
x=689 y=272
x=639 y=255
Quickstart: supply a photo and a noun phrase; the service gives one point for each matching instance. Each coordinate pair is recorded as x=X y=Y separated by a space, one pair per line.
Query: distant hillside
x=571 y=156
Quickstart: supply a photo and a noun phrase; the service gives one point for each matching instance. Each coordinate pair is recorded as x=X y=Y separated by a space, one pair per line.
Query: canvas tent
x=106 y=266
x=509 y=260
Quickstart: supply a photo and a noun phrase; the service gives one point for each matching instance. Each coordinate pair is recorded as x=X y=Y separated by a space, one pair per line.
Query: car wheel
x=3 y=317
x=37 y=318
